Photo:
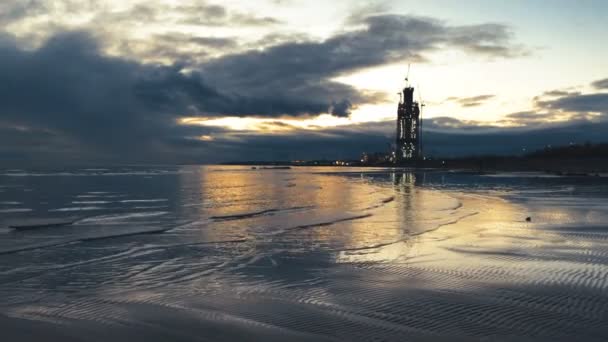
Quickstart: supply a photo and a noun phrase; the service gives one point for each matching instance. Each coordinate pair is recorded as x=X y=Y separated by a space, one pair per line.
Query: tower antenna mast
x=408 y=125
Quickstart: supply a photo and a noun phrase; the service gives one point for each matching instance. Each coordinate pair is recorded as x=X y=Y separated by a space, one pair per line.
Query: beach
x=231 y=253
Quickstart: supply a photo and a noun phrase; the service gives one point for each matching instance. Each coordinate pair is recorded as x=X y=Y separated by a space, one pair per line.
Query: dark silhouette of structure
x=408 y=144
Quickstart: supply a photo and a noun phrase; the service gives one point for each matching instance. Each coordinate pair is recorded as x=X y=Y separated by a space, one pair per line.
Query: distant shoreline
x=571 y=160
x=577 y=167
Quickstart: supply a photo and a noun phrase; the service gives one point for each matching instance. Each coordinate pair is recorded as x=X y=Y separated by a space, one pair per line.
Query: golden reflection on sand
x=481 y=216
x=403 y=221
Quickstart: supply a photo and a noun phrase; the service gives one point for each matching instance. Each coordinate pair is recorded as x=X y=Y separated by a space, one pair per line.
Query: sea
x=241 y=253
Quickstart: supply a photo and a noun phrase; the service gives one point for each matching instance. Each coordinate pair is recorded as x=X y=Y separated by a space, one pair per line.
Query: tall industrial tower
x=408 y=127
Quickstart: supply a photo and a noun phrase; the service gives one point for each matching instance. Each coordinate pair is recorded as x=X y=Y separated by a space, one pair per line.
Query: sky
x=203 y=81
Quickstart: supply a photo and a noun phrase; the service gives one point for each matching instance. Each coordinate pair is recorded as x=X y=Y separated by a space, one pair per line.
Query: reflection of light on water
x=405 y=180
x=392 y=252
x=386 y=236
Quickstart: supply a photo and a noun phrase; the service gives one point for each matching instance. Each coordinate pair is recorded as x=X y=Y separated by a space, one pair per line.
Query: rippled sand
x=238 y=254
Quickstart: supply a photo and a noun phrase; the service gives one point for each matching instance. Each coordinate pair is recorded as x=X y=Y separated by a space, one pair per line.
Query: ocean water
x=229 y=253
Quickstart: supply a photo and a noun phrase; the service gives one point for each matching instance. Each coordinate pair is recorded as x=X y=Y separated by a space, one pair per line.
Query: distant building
x=377 y=158
x=408 y=144
x=408 y=127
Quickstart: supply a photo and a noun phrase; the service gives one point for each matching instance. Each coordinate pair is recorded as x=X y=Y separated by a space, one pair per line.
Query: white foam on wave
x=15 y=210
x=567 y=189
x=151 y=207
x=76 y=209
x=90 y=202
x=521 y=175
x=124 y=216
x=10 y=203
x=101 y=195
x=144 y=200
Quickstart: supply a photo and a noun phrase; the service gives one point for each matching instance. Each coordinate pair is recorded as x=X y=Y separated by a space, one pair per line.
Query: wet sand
x=293 y=255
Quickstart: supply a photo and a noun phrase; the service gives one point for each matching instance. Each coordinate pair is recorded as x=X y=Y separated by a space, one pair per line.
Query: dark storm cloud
x=290 y=78
x=596 y=103
x=601 y=84
x=341 y=109
x=89 y=105
x=473 y=101
x=99 y=103
x=295 y=78
x=560 y=101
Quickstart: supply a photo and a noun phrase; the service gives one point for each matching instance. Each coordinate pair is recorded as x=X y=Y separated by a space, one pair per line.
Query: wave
x=382 y=203
x=256 y=213
x=77 y=209
x=388 y=199
x=66 y=241
x=42 y=223
x=328 y=223
x=405 y=238
x=90 y=202
x=455 y=207
x=151 y=207
x=322 y=223
x=101 y=195
x=123 y=216
x=15 y=210
x=144 y=200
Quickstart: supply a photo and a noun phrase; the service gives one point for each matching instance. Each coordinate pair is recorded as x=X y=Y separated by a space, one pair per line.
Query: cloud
x=558 y=93
x=471 y=101
x=444 y=123
x=205 y=14
x=295 y=78
x=134 y=28
x=529 y=117
x=341 y=109
x=595 y=103
x=196 y=12
x=101 y=104
x=168 y=47
x=600 y=84
x=81 y=103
